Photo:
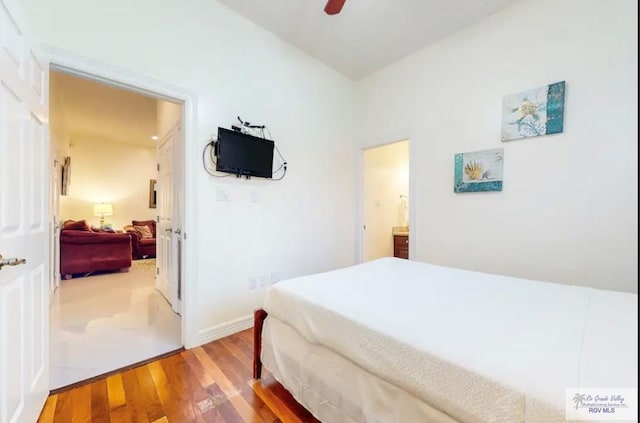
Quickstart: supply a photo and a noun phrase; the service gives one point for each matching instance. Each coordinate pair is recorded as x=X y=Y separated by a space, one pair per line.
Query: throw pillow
x=103 y=229
x=144 y=231
x=149 y=223
x=80 y=225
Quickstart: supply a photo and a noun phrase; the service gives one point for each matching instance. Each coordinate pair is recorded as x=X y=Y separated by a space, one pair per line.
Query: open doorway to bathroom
x=386 y=201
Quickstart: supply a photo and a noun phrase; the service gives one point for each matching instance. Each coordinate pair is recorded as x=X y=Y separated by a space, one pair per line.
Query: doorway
x=385 y=190
x=118 y=140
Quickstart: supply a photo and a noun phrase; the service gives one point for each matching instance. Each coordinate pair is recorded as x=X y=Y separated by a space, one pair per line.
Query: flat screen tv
x=244 y=154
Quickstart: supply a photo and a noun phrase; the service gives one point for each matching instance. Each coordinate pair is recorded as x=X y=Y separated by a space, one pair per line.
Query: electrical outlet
x=264 y=280
x=252 y=283
x=255 y=198
x=275 y=277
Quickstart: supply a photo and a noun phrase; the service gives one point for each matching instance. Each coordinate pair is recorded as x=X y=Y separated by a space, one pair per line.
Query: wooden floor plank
x=224 y=411
x=216 y=407
x=245 y=359
x=49 y=410
x=81 y=401
x=135 y=397
x=115 y=392
x=153 y=406
x=246 y=336
x=174 y=410
x=208 y=384
x=189 y=392
x=279 y=407
x=203 y=377
x=233 y=368
x=242 y=365
x=64 y=408
x=100 y=412
x=259 y=405
x=118 y=409
x=231 y=391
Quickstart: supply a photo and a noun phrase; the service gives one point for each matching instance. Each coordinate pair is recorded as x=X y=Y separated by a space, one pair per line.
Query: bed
x=395 y=340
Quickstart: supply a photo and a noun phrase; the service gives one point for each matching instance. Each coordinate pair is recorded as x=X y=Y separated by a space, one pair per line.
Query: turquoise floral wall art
x=479 y=171
x=533 y=113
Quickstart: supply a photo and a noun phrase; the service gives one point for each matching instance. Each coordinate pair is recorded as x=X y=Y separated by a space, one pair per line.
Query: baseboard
x=225 y=329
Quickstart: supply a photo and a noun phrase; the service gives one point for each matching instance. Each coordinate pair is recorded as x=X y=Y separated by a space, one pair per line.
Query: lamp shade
x=102 y=209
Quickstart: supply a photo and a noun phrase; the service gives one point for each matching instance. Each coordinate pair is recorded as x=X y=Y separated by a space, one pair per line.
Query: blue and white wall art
x=533 y=113
x=479 y=171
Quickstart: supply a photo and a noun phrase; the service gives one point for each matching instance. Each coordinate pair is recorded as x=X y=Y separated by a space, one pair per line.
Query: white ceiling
x=87 y=107
x=368 y=34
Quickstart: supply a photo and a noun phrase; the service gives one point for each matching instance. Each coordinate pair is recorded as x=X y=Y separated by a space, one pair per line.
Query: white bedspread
x=480 y=347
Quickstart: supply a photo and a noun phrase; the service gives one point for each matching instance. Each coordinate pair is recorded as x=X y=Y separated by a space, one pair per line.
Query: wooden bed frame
x=258 y=320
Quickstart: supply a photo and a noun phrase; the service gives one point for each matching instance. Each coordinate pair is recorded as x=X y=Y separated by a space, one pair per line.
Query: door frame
x=83 y=67
x=360 y=237
x=54 y=216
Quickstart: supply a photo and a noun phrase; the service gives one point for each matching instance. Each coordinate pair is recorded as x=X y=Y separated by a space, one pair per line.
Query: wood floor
x=211 y=383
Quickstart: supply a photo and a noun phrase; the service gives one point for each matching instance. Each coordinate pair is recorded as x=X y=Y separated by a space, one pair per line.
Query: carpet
x=151 y=262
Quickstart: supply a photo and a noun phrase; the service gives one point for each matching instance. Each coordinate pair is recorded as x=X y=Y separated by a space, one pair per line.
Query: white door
x=24 y=226
x=376 y=235
x=166 y=281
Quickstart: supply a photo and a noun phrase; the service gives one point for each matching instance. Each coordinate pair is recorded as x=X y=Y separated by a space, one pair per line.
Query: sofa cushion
x=77 y=225
x=147 y=241
x=105 y=229
x=145 y=231
x=88 y=237
x=150 y=223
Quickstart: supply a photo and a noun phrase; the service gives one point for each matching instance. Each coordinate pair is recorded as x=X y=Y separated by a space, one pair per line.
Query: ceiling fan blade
x=334 y=7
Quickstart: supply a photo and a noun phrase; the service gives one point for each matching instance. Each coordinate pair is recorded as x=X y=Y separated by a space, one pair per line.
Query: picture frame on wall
x=153 y=194
x=479 y=171
x=65 y=176
x=533 y=113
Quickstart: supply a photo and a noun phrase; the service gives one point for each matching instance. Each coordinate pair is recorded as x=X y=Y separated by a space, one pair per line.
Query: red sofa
x=83 y=250
x=142 y=247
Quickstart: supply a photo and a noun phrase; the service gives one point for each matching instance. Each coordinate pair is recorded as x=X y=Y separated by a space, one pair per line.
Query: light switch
x=264 y=280
x=222 y=194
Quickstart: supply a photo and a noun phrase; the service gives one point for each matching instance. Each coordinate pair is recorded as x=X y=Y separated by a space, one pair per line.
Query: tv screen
x=244 y=154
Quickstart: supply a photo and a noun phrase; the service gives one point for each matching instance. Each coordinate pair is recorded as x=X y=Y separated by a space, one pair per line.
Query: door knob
x=177 y=231
x=11 y=261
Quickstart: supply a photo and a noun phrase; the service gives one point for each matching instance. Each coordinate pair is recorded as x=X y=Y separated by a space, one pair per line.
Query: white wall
x=568 y=212
x=103 y=171
x=300 y=225
x=59 y=141
x=58 y=129
x=58 y=125
x=385 y=179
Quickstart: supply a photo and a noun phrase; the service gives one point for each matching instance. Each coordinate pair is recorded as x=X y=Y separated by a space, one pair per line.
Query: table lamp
x=102 y=210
